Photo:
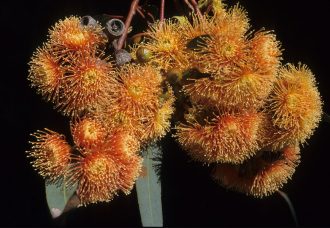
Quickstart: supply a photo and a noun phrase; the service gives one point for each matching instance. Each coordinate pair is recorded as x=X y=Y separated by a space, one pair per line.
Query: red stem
x=138 y=9
x=194 y=3
x=189 y=5
x=128 y=21
x=162 y=9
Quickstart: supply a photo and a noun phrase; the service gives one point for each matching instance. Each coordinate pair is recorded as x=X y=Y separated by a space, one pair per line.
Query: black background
x=190 y=197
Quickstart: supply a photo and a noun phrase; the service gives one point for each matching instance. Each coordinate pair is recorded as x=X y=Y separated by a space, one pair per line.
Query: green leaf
x=198 y=42
x=148 y=189
x=57 y=197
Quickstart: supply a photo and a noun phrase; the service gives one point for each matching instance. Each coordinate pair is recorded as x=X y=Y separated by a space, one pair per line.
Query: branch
x=130 y=15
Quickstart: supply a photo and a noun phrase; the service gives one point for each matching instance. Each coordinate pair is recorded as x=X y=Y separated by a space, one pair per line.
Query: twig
x=139 y=34
x=147 y=13
x=288 y=201
x=116 y=16
x=189 y=5
x=151 y=16
x=128 y=21
x=208 y=9
x=139 y=10
x=162 y=9
x=196 y=9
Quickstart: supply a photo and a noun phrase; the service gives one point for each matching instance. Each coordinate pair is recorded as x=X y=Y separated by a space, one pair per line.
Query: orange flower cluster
x=114 y=111
x=245 y=112
x=107 y=161
x=138 y=102
x=248 y=113
x=103 y=162
x=70 y=69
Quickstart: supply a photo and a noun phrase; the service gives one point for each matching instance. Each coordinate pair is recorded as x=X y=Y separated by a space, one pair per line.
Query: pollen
x=51 y=155
x=89 y=77
x=135 y=91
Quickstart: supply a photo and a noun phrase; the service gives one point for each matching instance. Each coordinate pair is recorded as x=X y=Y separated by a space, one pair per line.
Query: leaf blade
x=148 y=189
x=57 y=197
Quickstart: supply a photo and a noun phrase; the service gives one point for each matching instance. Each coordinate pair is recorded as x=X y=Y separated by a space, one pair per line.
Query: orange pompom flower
x=129 y=170
x=88 y=132
x=112 y=117
x=164 y=41
x=262 y=174
x=245 y=81
x=51 y=155
x=46 y=73
x=221 y=54
x=295 y=104
x=229 y=138
x=235 y=21
x=87 y=84
x=123 y=148
x=71 y=34
x=136 y=89
x=135 y=95
x=265 y=52
x=104 y=170
x=219 y=37
x=97 y=175
x=159 y=122
x=242 y=89
x=122 y=142
x=225 y=44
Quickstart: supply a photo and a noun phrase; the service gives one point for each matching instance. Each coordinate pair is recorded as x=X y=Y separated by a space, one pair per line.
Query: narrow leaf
x=57 y=197
x=198 y=42
x=148 y=189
